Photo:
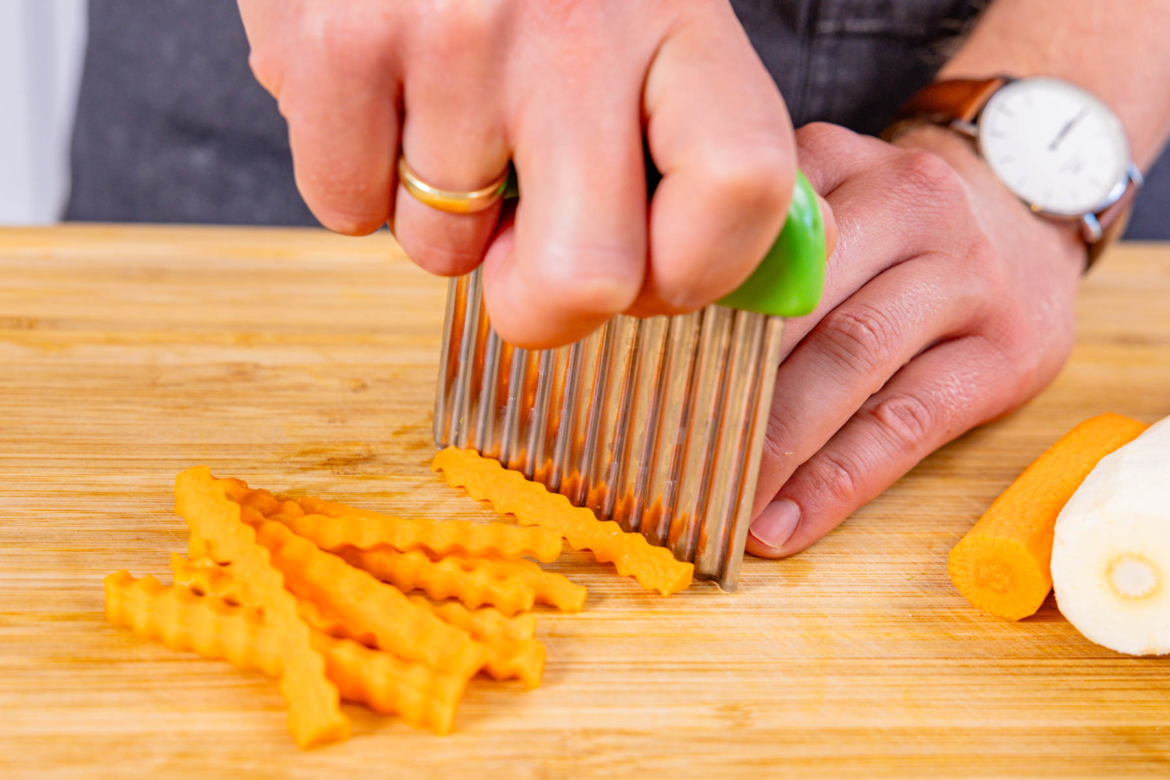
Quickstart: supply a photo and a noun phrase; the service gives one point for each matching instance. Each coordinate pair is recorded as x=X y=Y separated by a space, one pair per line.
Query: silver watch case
x=1089 y=224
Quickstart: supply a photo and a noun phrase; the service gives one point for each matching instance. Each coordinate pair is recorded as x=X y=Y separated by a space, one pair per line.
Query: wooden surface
x=305 y=363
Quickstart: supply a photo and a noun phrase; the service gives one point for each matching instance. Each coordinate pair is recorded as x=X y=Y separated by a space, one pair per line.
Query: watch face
x=1054 y=145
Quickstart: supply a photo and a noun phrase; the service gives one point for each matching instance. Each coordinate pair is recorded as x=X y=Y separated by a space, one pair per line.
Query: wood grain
x=305 y=363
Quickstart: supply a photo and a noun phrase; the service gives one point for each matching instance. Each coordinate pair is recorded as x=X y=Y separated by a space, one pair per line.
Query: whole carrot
x=1002 y=565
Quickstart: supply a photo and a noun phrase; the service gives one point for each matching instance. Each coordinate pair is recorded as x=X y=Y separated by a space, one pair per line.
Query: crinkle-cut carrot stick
x=213 y=513
x=532 y=504
x=376 y=613
x=510 y=586
x=512 y=650
x=198 y=547
x=445 y=578
x=1002 y=565
x=507 y=657
x=555 y=590
x=420 y=695
x=484 y=623
x=208 y=578
x=179 y=619
x=335 y=526
x=183 y=620
x=215 y=579
x=516 y=659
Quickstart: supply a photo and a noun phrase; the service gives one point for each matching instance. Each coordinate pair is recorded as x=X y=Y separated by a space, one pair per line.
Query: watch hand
x=1064 y=130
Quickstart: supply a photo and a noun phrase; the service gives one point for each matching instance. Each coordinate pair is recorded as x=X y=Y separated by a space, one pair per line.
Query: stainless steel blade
x=657 y=424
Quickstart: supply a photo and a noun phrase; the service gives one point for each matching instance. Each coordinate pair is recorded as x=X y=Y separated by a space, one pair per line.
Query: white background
x=42 y=44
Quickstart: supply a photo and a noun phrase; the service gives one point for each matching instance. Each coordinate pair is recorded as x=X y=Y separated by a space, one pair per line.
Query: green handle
x=789 y=280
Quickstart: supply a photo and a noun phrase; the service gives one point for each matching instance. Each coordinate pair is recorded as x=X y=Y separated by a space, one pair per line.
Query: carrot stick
x=1002 y=565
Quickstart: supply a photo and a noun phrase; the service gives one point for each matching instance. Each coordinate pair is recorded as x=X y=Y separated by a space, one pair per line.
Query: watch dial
x=1054 y=145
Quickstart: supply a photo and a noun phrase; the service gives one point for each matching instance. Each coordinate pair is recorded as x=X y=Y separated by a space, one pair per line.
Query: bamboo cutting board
x=305 y=363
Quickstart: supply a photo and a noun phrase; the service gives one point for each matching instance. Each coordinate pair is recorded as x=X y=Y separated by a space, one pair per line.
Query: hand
x=947 y=304
x=566 y=90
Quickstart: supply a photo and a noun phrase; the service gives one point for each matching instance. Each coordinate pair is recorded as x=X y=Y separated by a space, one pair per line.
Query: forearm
x=1118 y=51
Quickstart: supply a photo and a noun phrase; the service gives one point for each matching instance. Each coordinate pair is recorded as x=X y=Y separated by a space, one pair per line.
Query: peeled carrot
x=1002 y=565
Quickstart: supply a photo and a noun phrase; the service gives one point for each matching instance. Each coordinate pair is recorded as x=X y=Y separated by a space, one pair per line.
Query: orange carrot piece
x=332 y=527
x=1002 y=565
x=372 y=609
x=453 y=577
x=509 y=586
x=183 y=619
x=512 y=650
x=485 y=623
x=555 y=590
x=213 y=513
x=208 y=578
x=532 y=504
x=379 y=614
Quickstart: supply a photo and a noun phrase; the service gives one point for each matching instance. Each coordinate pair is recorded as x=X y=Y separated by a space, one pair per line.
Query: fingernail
x=776 y=524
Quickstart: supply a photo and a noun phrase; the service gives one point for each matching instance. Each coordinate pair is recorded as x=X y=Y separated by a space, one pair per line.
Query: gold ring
x=450 y=201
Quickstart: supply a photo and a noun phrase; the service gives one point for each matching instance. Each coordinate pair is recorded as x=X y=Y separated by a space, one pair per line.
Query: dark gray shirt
x=171 y=126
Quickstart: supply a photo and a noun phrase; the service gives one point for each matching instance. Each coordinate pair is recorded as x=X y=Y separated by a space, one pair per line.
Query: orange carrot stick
x=512 y=650
x=509 y=492
x=213 y=513
x=182 y=619
x=1002 y=565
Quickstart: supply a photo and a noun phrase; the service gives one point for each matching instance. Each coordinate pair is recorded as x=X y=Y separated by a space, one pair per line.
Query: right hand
x=566 y=90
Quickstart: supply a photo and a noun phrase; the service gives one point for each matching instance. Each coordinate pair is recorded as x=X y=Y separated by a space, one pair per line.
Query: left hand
x=947 y=304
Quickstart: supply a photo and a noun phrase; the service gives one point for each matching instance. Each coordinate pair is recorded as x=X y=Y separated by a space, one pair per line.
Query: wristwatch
x=1054 y=145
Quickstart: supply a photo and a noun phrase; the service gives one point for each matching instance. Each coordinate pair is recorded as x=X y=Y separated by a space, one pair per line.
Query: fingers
x=578 y=251
x=720 y=135
x=853 y=351
x=829 y=154
x=944 y=392
x=339 y=98
x=889 y=205
x=453 y=136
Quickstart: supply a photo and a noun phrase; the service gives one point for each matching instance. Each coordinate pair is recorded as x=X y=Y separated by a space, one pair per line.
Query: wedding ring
x=451 y=201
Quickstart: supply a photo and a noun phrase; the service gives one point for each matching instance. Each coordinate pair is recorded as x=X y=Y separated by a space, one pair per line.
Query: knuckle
x=838 y=476
x=776 y=435
x=757 y=180
x=458 y=27
x=824 y=138
x=986 y=272
x=1020 y=362
x=561 y=15
x=930 y=176
x=983 y=257
x=904 y=417
x=347 y=42
x=860 y=337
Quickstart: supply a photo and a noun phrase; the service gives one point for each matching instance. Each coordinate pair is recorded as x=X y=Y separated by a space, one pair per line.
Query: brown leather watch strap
x=944 y=102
